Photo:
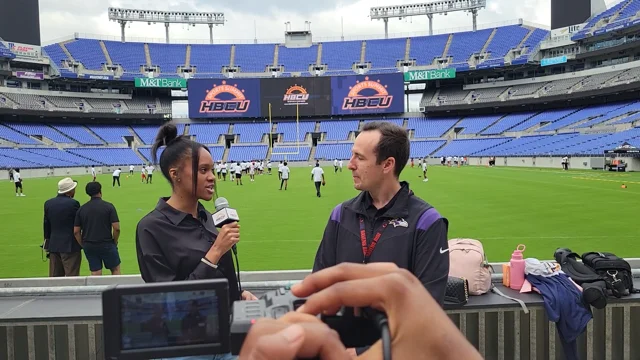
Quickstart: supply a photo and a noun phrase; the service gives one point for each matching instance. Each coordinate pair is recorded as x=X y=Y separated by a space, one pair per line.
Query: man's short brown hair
x=394 y=142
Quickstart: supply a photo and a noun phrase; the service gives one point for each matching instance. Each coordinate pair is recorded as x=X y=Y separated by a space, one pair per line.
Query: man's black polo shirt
x=171 y=244
x=95 y=219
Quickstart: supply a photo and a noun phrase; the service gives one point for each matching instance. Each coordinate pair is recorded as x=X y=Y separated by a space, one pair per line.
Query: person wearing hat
x=97 y=230
x=65 y=254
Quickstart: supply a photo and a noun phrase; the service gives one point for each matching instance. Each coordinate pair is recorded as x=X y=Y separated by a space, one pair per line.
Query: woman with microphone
x=178 y=240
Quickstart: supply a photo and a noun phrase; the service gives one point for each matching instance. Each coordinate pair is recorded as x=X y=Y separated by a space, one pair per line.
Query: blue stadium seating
x=420 y=149
x=297 y=59
x=334 y=151
x=507 y=123
x=290 y=129
x=254 y=58
x=108 y=156
x=79 y=133
x=629 y=119
x=147 y=133
x=42 y=130
x=399 y=122
x=594 y=20
x=210 y=58
x=465 y=44
x=168 y=56
x=341 y=55
x=9 y=134
x=430 y=127
x=385 y=53
x=36 y=159
x=288 y=153
x=622 y=110
x=580 y=115
x=426 y=48
x=208 y=133
x=469 y=147
x=474 y=124
x=129 y=55
x=338 y=130
x=60 y=155
x=545 y=116
x=88 y=52
x=247 y=152
x=505 y=39
x=251 y=132
x=112 y=134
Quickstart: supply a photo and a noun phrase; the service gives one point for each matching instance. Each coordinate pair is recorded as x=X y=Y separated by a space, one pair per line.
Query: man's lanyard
x=368 y=250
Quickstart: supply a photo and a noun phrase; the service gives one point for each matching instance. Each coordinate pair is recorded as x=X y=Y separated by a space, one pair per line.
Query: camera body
x=354 y=331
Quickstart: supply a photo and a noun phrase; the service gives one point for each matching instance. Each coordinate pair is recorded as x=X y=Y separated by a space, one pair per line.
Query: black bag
x=615 y=270
x=457 y=291
x=594 y=287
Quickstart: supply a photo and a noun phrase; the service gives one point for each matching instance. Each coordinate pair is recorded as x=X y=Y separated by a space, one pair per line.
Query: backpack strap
x=495 y=290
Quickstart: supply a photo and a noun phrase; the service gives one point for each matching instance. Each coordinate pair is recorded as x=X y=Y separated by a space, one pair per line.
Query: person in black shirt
x=178 y=240
x=97 y=229
x=59 y=213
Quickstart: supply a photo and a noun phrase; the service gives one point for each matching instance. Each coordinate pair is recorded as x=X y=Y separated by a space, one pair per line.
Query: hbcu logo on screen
x=359 y=99
x=213 y=103
x=296 y=95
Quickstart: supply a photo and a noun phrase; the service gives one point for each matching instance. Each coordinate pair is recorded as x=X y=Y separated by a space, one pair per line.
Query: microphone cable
x=235 y=255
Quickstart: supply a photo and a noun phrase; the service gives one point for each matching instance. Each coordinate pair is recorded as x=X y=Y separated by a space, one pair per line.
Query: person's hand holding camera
x=228 y=236
x=419 y=327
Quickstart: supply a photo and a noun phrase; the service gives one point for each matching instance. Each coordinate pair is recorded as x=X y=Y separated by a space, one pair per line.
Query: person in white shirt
x=455 y=161
x=131 y=167
x=116 y=177
x=317 y=176
x=424 y=170
x=143 y=173
x=93 y=172
x=285 y=176
x=150 y=169
x=238 y=171
x=224 y=171
x=17 y=180
x=335 y=166
x=340 y=165
x=269 y=167
x=252 y=171
x=449 y=161
x=565 y=163
x=218 y=168
x=280 y=170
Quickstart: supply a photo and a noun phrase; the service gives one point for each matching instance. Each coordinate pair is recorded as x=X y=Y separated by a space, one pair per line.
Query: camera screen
x=169 y=319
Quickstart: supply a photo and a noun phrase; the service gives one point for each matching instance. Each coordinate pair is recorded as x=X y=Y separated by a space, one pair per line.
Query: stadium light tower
x=123 y=16
x=429 y=9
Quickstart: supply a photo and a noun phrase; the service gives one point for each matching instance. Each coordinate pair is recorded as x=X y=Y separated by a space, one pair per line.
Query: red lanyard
x=368 y=250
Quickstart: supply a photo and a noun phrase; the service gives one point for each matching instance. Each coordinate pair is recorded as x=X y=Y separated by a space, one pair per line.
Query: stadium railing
x=61 y=318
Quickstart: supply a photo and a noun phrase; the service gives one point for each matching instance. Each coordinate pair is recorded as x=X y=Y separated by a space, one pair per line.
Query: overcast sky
x=61 y=19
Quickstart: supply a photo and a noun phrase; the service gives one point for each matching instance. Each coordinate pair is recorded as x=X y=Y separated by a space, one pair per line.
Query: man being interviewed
x=386 y=222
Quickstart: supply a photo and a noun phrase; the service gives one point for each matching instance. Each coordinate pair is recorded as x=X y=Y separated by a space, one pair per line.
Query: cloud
x=61 y=19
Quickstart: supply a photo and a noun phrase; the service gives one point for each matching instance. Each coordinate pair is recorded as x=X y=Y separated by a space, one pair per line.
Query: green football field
x=503 y=207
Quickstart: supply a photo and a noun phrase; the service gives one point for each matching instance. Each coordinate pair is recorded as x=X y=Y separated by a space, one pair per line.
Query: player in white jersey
x=424 y=170
x=238 y=172
x=317 y=176
x=280 y=170
x=116 y=177
x=252 y=172
x=335 y=166
x=150 y=169
x=285 y=176
x=131 y=167
x=340 y=165
x=17 y=180
x=93 y=172
x=269 y=167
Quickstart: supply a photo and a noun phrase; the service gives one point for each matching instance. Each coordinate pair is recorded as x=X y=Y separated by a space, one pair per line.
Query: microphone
x=225 y=215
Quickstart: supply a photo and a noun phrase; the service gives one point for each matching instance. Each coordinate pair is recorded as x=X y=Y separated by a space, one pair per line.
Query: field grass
x=503 y=207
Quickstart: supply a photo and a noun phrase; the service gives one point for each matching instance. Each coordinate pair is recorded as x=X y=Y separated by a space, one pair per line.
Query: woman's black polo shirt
x=171 y=244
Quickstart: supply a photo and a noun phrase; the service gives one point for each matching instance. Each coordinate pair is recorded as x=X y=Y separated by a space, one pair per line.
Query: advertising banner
x=367 y=94
x=553 y=61
x=23 y=50
x=218 y=98
x=30 y=75
x=435 y=74
x=161 y=83
x=311 y=96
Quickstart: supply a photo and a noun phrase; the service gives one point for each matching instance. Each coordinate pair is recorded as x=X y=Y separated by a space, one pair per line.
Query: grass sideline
x=541 y=208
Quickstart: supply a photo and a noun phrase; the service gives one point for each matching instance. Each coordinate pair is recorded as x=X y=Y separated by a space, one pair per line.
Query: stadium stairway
x=407 y=49
x=526 y=37
x=232 y=58
x=493 y=123
x=447 y=46
x=225 y=155
x=312 y=153
x=143 y=160
x=276 y=53
x=488 y=42
x=106 y=53
x=147 y=54
x=319 y=57
x=363 y=51
x=136 y=139
x=187 y=57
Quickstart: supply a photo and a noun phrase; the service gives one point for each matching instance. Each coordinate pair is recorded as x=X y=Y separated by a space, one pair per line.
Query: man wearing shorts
x=238 y=168
x=97 y=229
x=17 y=180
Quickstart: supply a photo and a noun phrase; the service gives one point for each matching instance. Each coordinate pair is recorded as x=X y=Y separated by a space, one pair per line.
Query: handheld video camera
x=190 y=318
